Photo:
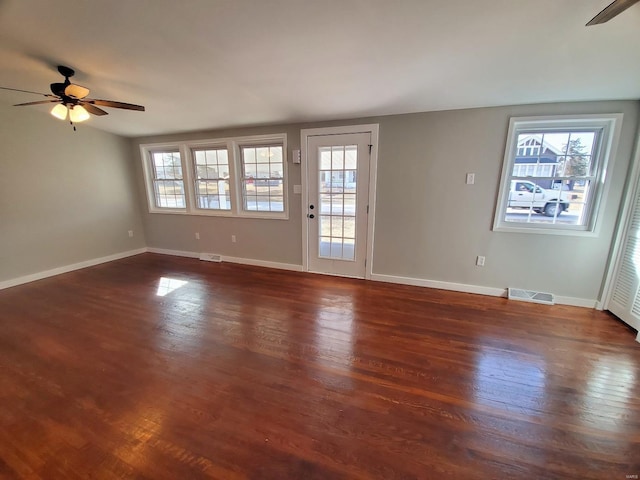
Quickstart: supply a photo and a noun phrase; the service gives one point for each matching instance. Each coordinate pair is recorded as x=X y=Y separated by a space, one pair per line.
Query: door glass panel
x=337 y=186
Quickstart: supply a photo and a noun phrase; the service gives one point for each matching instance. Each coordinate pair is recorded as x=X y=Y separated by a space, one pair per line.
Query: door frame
x=372 y=129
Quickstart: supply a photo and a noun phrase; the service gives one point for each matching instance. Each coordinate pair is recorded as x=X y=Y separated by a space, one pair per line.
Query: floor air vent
x=210 y=257
x=530 y=296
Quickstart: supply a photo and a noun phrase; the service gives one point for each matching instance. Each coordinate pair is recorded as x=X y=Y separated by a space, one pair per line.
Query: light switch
x=471 y=178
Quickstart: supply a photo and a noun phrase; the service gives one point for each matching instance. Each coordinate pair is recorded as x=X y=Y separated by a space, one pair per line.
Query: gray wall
x=429 y=224
x=65 y=197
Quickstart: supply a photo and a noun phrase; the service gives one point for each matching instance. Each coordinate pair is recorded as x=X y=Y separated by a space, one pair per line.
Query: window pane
x=337 y=158
x=336 y=226
x=350 y=157
x=168 y=185
x=249 y=155
x=211 y=182
x=349 y=249
x=169 y=194
x=275 y=170
x=262 y=155
x=200 y=158
x=275 y=154
x=336 y=248
x=263 y=169
x=575 y=166
x=325 y=158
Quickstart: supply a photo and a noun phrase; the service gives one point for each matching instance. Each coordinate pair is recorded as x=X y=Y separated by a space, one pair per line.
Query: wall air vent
x=210 y=257
x=530 y=296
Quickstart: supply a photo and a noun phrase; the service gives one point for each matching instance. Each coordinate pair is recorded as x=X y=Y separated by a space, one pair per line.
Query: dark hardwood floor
x=156 y=367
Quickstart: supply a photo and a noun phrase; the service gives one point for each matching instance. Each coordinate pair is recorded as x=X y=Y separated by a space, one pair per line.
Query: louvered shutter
x=625 y=298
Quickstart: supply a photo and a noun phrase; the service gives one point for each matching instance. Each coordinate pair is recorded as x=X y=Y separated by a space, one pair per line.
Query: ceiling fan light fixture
x=59 y=111
x=78 y=114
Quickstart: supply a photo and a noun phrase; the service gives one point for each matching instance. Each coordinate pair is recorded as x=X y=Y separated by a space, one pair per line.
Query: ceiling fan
x=613 y=10
x=72 y=100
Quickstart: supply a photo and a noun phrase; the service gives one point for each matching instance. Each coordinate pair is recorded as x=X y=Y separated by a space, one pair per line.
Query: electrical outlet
x=130 y=233
x=480 y=261
x=197 y=235
x=233 y=238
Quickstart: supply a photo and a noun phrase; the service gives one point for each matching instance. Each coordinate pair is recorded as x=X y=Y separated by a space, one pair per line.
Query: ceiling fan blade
x=613 y=10
x=93 y=109
x=110 y=103
x=36 y=103
x=76 y=91
x=26 y=91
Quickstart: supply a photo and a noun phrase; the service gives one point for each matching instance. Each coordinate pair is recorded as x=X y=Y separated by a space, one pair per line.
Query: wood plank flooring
x=157 y=367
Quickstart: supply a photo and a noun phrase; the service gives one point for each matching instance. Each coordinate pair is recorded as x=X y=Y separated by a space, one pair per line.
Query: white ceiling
x=205 y=64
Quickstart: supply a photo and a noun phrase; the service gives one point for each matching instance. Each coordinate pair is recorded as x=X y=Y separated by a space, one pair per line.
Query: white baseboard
x=243 y=261
x=466 y=288
x=263 y=263
x=576 y=302
x=175 y=253
x=457 y=287
x=419 y=282
x=69 y=268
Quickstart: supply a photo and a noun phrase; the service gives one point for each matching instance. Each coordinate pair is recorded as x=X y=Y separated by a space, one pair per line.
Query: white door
x=337 y=203
x=624 y=301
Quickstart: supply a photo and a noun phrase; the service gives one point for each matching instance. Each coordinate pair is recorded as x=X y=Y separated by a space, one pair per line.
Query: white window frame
x=147 y=159
x=232 y=146
x=189 y=147
x=609 y=126
x=195 y=180
x=256 y=142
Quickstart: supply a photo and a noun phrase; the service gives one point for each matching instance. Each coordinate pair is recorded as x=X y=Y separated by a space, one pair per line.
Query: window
x=553 y=176
x=243 y=177
x=168 y=185
x=211 y=168
x=262 y=178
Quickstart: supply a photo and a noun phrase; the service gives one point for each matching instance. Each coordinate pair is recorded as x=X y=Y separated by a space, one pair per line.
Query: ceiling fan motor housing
x=66 y=71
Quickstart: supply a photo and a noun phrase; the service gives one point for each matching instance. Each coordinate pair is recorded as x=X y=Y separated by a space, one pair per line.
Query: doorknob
x=311 y=215
x=311 y=207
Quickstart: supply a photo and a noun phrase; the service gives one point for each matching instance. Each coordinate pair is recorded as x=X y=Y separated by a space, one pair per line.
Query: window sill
x=200 y=213
x=545 y=231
